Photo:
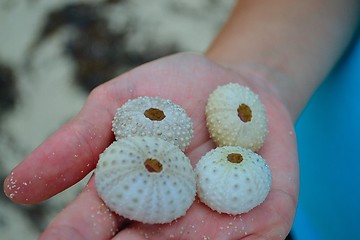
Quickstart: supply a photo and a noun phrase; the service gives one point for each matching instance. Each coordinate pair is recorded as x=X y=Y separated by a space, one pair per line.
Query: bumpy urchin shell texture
x=145 y=179
x=236 y=117
x=153 y=116
x=232 y=179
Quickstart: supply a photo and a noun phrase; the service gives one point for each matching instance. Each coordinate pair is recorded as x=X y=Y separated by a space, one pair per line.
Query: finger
x=69 y=154
x=200 y=222
x=87 y=217
x=190 y=226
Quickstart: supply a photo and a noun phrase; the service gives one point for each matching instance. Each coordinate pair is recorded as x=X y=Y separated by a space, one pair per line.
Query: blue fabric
x=328 y=134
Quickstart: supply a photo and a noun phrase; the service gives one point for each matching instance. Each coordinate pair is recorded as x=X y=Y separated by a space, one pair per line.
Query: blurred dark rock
x=99 y=54
x=7 y=89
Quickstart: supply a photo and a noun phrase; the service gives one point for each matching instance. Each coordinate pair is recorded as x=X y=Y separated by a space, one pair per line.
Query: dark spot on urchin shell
x=244 y=112
x=153 y=165
x=99 y=53
x=154 y=114
x=235 y=157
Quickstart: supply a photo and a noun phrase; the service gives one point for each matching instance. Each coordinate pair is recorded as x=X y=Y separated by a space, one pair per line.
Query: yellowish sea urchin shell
x=232 y=179
x=147 y=116
x=236 y=117
x=145 y=179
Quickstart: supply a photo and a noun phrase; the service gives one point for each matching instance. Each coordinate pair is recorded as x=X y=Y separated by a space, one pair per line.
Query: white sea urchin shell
x=236 y=117
x=145 y=179
x=232 y=179
x=148 y=116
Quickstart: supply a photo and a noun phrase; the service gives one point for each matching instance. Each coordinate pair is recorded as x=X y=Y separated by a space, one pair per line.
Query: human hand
x=186 y=79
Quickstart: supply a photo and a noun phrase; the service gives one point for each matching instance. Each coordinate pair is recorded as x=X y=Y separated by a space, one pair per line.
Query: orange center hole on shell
x=153 y=165
x=154 y=114
x=244 y=112
x=234 y=158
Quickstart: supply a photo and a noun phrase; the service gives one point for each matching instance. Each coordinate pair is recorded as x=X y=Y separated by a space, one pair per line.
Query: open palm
x=186 y=79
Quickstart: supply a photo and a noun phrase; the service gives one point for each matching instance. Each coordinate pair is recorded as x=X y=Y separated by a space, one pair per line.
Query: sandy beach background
x=52 y=53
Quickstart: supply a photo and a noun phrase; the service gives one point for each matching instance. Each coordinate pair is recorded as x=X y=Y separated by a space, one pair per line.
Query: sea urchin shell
x=236 y=117
x=145 y=179
x=148 y=116
x=232 y=179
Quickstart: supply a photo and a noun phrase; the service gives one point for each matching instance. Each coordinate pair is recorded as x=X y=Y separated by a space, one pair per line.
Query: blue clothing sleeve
x=328 y=133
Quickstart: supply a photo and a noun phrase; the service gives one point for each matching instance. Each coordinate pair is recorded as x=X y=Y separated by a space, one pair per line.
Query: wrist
x=289 y=46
